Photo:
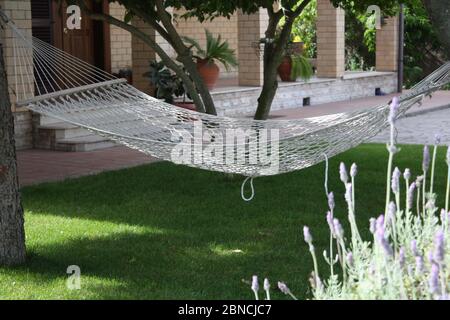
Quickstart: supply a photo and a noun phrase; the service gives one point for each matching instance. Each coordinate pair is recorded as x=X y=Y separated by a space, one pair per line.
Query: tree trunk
x=12 y=233
x=439 y=13
x=185 y=57
x=272 y=59
x=191 y=67
x=190 y=87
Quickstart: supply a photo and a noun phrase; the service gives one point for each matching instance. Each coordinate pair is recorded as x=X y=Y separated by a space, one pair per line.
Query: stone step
x=82 y=144
x=46 y=120
x=63 y=130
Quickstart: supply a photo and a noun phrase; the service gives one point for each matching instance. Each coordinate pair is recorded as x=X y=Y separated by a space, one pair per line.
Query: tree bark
x=273 y=55
x=12 y=233
x=272 y=59
x=439 y=13
x=190 y=87
x=185 y=57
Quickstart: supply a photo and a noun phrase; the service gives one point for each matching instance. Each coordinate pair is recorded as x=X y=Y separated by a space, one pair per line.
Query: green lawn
x=162 y=231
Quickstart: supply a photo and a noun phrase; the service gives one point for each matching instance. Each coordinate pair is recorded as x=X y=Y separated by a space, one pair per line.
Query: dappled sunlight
x=220 y=250
x=163 y=231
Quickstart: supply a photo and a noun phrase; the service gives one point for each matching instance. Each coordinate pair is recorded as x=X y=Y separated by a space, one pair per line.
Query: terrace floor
x=36 y=166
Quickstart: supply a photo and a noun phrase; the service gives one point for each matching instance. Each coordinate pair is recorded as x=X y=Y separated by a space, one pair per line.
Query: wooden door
x=79 y=43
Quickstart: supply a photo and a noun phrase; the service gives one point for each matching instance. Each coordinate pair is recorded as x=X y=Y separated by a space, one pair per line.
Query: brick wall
x=20 y=12
x=121 y=55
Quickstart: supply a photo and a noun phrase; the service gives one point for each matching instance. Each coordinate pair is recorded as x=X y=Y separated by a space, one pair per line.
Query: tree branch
x=150 y=42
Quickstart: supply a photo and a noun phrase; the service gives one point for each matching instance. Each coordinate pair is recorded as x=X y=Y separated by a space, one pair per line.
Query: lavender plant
x=408 y=256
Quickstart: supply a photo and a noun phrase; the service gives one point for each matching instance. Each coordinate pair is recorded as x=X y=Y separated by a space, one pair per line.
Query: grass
x=162 y=231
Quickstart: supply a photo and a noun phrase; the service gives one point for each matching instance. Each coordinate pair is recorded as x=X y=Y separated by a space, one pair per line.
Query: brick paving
x=37 y=166
x=421 y=129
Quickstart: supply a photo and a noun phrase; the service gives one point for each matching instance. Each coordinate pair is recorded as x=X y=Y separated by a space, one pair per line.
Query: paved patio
x=37 y=166
x=422 y=123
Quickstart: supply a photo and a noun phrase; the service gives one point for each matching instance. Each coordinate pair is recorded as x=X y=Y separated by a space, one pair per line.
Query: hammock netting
x=56 y=84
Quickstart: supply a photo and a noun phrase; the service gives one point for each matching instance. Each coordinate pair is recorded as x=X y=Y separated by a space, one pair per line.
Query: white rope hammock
x=56 y=84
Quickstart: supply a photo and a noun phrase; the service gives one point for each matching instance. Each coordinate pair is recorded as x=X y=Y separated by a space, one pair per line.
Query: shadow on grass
x=215 y=238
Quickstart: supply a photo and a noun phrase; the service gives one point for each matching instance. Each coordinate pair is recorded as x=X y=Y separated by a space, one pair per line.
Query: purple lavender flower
x=283 y=287
x=331 y=203
x=307 y=235
x=373 y=225
x=430 y=257
x=407 y=174
x=419 y=181
x=439 y=247
x=266 y=284
x=343 y=173
x=353 y=170
x=401 y=257
x=433 y=282
x=255 y=284
x=419 y=264
x=350 y=260
x=330 y=222
x=349 y=193
x=414 y=249
x=392 y=211
x=380 y=222
x=426 y=159
x=393 y=110
x=448 y=156
x=437 y=139
x=411 y=190
x=395 y=183
x=384 y=243
x=339 y=231
x=410 y=270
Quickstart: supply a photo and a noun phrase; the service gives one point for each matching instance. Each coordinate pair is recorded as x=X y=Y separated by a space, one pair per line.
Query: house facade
x=114 y=49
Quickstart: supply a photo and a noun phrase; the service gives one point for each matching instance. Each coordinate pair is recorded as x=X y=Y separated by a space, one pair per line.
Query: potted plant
x=294 y=64
x=216 y=51
x=167 y=85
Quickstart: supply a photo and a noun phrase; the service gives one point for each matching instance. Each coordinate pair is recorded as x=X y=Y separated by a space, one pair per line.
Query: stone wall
x=291 y=95
x=23 y=130
x=121 y=55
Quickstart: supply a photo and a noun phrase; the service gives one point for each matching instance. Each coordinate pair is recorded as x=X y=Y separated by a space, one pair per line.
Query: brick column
x=387 y=45
x=120 y=41
x=20 y=12
x=330 y=40
x=142 y=54
x=251 y=29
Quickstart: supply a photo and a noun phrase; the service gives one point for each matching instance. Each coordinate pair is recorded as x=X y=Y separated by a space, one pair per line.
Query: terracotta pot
x=188 y=106
x=285 y=68
x=209 y=72
x=185 y=105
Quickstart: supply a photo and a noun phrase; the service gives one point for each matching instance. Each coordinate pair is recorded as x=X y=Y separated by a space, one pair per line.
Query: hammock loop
x=252 y=188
